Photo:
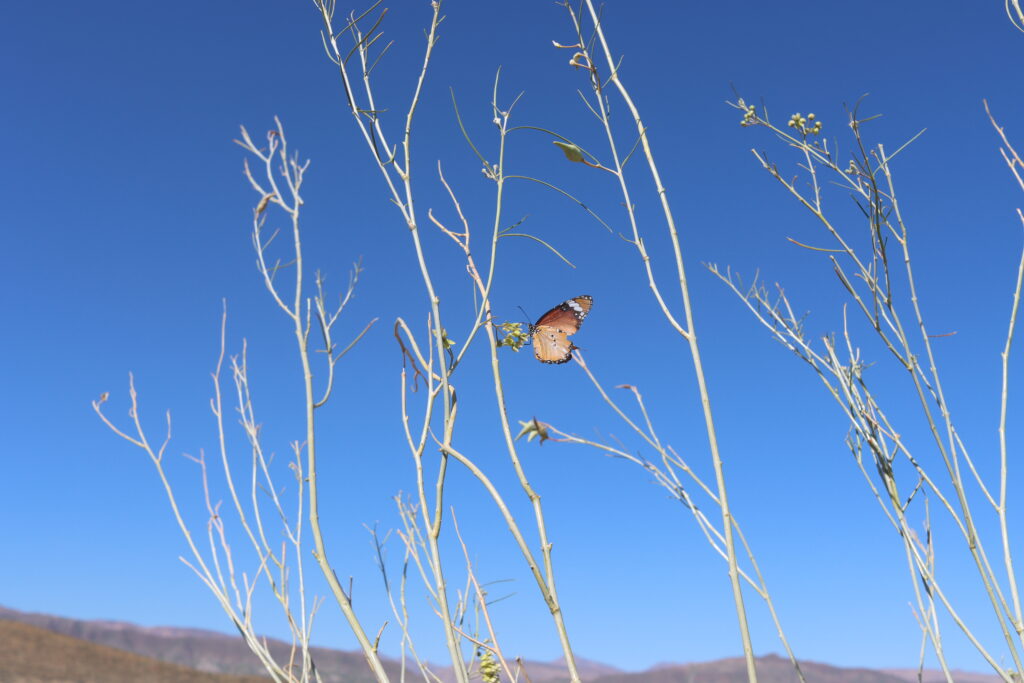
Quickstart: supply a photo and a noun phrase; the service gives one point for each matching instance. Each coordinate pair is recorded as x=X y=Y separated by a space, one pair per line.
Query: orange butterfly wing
x=551 y=332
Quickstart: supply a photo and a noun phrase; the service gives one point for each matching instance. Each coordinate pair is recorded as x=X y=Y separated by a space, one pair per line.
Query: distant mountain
x=770 y=669
x=555 y=672
x=934 y=676
x=198 y=649
x=30 y=654
x=217 y=653
x=775 y=669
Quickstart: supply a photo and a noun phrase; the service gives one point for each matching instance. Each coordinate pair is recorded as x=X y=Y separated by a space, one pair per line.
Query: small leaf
x=514 y=337
x=533 y=428
x=572 y=152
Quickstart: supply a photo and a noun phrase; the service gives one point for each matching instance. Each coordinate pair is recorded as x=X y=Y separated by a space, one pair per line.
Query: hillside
x=41 y=647
x=30 y=654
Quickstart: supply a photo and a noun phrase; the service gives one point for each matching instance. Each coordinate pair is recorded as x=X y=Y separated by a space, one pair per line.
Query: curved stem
x=689 y=332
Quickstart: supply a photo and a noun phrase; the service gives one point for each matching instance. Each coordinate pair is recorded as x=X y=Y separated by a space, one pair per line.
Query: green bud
x=572 y=152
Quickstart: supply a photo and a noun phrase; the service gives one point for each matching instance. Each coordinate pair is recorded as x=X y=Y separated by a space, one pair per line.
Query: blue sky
x=128 y=222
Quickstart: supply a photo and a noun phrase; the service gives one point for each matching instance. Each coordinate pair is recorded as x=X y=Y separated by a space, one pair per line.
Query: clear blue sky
x=127 y=222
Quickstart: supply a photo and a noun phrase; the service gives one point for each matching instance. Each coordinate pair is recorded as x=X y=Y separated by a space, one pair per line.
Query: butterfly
x=550 y=334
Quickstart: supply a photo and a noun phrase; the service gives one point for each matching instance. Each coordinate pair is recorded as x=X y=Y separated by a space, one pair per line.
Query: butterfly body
x=550 y=334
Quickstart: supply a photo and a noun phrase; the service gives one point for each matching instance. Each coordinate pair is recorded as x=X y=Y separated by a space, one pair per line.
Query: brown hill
x=936 y=676
x=29 y=654
x=199 y=649
x=770 y=669
x=196 y=650
x=555 y=671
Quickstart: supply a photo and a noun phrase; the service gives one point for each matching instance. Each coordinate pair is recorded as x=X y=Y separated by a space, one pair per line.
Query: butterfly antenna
x=529 y=326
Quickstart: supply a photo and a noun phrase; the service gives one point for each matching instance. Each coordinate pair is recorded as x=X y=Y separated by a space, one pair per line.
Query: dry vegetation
x=29 y=654
x=877 y=275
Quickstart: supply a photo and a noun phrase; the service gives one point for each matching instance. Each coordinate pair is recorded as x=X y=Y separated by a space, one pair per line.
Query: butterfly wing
x=551 y=332
x=551 y=345
x=567 y=315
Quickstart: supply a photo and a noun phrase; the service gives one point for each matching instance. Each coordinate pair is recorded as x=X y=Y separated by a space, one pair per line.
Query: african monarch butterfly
x=551 y=332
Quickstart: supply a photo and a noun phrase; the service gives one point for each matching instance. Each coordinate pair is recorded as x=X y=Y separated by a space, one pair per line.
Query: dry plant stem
x=951 y=460
x=846 y=395
x=928 y=621
x=870 y=179
x=1004 y=529
x=413 y=540
x=240 y=611
x=402 y=195
x=1015 y=13
x=947 y=447
x=495 y=494
x=914 y=560
x=1016 y=164
x=548 y=585
x=689 y=332
x=222 y=579
x=291 y=172
x=481 y=601
x=545 y=582
x=373 y=134
x=300 y=633
x=854 y=405
x=667 y=479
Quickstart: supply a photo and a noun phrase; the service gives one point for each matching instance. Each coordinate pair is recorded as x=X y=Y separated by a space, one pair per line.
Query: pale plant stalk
x=869 y=179
x=1016 y=165
x=257 y=537
x=546 y=579
x=418 y=357
x=688 y=330
x=221 y=578
x=931 y=619
x=398 y=176
x=411 y=537
x=417 y=548
x=300 y=632
x=1015 y=13
x=871 y=427
x=213 y=577
x=665 y=475
x=420 y=531
x=220 y=575
x=492 y=643
x=414 y=539
x=283 y=190
x=952 y=460
x=547 y=586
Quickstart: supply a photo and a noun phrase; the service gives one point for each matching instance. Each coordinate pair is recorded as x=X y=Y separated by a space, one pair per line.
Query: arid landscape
x=30 y=654
x=579 y=341
x=38 y=648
